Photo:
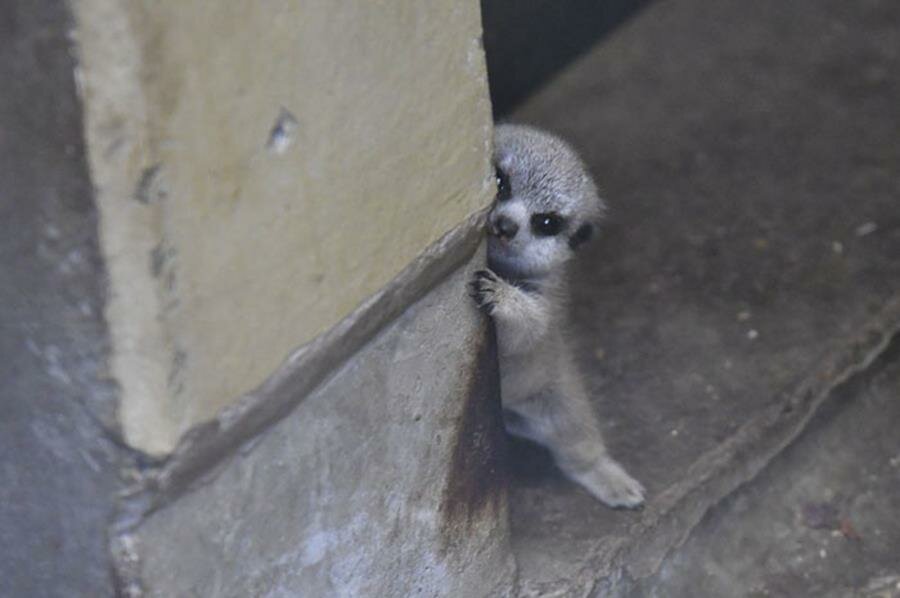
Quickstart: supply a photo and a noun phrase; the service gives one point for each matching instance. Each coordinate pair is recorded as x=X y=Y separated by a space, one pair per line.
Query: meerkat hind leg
x=566 y=426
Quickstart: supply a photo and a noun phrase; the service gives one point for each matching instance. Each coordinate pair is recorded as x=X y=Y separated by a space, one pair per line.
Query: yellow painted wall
x=228 y=246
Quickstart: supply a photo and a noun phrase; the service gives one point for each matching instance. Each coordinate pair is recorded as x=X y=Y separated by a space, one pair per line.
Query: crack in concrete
x=720 y=472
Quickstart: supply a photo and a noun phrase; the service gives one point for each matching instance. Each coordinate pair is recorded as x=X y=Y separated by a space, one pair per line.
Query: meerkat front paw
x=609 y=482
x=485 y=288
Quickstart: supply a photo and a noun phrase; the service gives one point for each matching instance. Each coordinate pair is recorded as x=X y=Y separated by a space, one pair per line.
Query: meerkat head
x=546 y=207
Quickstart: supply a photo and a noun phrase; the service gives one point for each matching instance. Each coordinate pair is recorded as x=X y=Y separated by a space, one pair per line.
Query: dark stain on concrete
x=157 y=261
x=477 y=478
x=151 y=187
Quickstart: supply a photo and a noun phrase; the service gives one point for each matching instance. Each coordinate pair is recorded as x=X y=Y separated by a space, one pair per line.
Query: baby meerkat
x=546 y=207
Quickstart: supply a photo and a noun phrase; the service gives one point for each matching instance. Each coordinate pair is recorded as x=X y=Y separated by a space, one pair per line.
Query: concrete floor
x=750 y=152
x=822 y=520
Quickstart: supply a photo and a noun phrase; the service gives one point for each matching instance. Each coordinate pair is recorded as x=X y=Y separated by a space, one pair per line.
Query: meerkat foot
x=609 y=482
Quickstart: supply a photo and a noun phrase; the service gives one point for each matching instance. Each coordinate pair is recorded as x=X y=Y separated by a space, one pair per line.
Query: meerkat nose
x=504 y=227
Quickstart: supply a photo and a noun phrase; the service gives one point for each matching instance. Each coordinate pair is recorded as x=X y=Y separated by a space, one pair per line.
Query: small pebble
x=743 y=316
x=822 y=553
x=866 y=228
x=752 y=334
x=837 y=247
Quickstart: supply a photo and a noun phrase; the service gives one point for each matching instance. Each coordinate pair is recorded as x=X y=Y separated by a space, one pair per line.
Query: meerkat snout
x=503 y=227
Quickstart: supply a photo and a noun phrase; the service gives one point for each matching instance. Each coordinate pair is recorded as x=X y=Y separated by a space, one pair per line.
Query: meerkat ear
x=583 y=234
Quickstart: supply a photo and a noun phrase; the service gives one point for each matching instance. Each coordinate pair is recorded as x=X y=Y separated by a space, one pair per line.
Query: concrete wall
x=388 y=480
x=192 y=191
x=260 y=169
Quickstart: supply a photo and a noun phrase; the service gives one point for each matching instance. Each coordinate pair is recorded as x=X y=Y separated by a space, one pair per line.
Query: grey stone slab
x=58 y=466
x=388 y=480
x=822 y=520
x=748 y=151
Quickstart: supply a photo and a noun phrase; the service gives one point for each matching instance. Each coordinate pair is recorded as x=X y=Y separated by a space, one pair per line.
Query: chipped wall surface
x=261 y=168
x=386 y=481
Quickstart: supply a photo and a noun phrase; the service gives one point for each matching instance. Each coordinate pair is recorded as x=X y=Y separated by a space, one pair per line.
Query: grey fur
x=544 y=396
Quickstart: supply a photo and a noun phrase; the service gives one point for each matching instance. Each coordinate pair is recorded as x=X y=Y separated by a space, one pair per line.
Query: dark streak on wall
x=477 y=475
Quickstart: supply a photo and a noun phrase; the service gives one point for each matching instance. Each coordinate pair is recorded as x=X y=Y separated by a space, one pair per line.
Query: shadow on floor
x=526 y=43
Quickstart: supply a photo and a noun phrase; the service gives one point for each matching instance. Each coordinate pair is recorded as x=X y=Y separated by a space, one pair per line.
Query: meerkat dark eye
x=548 y=224
x=503 y=189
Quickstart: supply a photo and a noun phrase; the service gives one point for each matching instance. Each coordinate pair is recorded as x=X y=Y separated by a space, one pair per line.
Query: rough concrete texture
x=206 y=445
x=820 y=521
x=260 y=170
x=749 y=154
x=383 y=482
x=57 y=466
